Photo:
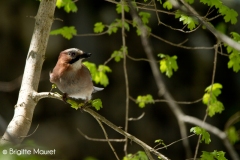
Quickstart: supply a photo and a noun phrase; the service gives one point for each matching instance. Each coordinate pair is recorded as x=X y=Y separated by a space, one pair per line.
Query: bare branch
x=98 y=139
x=106 y=136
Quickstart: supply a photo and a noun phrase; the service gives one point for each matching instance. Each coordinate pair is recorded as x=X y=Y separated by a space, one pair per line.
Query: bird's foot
x=64 y=97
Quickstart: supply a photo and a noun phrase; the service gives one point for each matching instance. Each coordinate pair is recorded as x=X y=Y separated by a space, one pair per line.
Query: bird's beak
x=86 y=55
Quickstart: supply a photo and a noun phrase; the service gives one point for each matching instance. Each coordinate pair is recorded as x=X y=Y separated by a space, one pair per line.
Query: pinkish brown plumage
x=71 y=76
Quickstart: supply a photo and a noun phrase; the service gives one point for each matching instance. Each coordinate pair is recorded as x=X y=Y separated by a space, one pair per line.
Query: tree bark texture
x=19 y=126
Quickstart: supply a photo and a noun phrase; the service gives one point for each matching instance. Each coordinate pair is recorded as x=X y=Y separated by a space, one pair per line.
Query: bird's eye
x=72 y=54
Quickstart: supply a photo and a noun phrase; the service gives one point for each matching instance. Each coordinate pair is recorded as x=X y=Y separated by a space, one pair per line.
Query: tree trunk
x=19 y=126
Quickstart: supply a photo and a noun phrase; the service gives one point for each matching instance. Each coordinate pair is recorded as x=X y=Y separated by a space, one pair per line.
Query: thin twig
x=91 y=34
x=212 y=82
x=98 y=139
x=165 y=146
x=31 y=133
x=125 y=75
x=138 y=118
x=106 y=136
x=166 y=101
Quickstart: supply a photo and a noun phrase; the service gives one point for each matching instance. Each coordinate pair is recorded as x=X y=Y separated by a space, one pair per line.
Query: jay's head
x=73 y=55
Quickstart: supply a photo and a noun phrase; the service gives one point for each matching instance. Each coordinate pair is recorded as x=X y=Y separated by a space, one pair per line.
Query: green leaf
x=215 y=155
x=69 y=5
x=140 y=155
x=160 y=142
x=200 y=131
x=191 y=22
x=145 y=17
x=214 y=106
x=229 y=15
x=73 y=104
x=168 y=64
x=119 y=54
x=234 y=60
x=119 y=8
x=98 y=74
x=97 y=104
x=98 y=27
x=66 y=32
x=215 y=88
x=232 y=134
x=167 y=5
x=143 y=100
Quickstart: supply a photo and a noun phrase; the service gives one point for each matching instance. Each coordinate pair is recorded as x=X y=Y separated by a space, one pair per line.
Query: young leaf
x=215 y=88
x=210 y=99
x=145 y=17
x=98 y=74
x=200 y=131
x=168 y=64
x=73 y=104
x=229 y=15
x=140 y=155
x=97 y=104
x=118 y=54
x=143 y=100
x=191 y=22
x=167 y=5
x=218 y=155
x=98 y=27
x=119 y=8
x=66 y=32
x=232 y=134
x=68 y=5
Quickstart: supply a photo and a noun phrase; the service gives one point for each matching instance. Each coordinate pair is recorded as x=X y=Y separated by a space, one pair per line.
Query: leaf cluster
x=68 y=5
x=66 y=32
x=98 y=73
x=234 y=55
x=210 y=99
x=140 y=155
x=168 y=64
x=200 y=131
x=143 y=100
x=218 y=155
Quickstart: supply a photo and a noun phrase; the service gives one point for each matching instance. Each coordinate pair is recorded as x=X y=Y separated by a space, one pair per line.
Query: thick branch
x=21 y=122
x=97 y=116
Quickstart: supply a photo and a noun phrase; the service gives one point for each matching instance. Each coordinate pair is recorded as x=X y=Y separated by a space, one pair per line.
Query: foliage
x=140 y=155
x=215 y=155
x=168 y=64
x=210 y=99
x=69 y=5
x=160 y=142
x=143 y=100
x=97 y=104
x=66 y=32
x=200 y=131
x=167 y=5
x=232 y=134
x=119 y=54
x=234 y=57
x=229 y=15
x=98 y=73
x=191 y=22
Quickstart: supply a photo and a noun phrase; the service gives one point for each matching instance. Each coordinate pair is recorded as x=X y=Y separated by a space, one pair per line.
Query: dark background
x=58 y=122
